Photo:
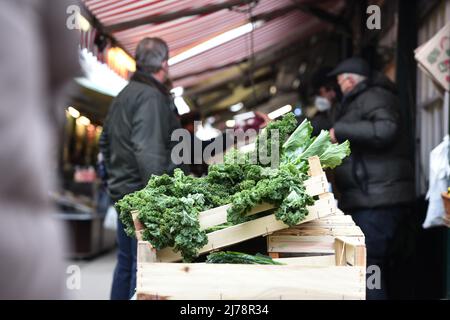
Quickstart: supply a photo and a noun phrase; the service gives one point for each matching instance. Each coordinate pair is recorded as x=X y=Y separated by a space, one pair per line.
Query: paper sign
x=434 y=57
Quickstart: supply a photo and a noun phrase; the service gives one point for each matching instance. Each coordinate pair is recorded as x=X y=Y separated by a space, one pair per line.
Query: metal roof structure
x=184 y=24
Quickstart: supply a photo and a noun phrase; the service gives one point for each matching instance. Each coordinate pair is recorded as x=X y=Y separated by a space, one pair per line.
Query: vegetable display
x=169 y=206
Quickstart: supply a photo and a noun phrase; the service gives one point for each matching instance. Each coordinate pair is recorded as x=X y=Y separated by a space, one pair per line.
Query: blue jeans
x=124 y=281
x=388 y=242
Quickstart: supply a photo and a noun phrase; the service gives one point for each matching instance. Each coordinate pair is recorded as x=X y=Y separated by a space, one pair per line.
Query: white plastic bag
x=439 y=171
x=110 y=221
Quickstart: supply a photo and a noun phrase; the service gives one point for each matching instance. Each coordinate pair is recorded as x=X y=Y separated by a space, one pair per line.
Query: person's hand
x=264 y=117
x=333 y=136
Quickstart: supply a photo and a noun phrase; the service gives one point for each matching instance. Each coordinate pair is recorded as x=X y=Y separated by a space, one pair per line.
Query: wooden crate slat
x=213 y=217
x=315 y=168
x=201 y=281
x=303 y=230
x=333 y=220
x=314 y=261
x=216 y=216
x=303 y=244
x=316 y=185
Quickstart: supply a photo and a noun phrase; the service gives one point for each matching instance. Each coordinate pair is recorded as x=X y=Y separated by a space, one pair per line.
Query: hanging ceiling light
x=236 y=107
x=279 y=112
x=230 y=123
x=215 y=42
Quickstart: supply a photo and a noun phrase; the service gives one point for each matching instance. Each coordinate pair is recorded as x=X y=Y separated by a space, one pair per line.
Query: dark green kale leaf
x=168 y=208
x=275 y=186
x=281 y=129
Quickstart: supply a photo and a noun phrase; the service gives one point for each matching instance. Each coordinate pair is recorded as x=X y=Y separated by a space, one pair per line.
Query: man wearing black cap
x=376 y=181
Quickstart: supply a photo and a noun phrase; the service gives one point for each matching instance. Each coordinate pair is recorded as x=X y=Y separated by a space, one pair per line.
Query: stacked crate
x=338 y=275
x=314 y=238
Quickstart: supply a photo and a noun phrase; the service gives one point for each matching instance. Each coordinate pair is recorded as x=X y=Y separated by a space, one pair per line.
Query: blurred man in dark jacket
x=136 y=143
x=377 y=181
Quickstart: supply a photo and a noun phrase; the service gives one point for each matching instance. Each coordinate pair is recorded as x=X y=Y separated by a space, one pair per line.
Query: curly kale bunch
x=282 y=187
x=275 y=134
x=168 y=208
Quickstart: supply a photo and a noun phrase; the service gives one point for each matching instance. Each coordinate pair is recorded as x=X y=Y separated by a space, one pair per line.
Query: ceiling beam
x=340 y=23
x=159 y=18
x=270 y=15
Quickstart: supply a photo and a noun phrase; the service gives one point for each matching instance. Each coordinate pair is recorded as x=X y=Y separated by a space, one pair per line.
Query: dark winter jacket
x=136 y=139
x=323 y=120
x=378 y=172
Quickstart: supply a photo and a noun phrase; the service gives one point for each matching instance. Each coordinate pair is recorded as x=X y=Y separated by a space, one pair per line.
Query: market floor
x=95 y=277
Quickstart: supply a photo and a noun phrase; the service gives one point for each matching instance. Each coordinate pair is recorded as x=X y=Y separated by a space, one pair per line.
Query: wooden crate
x=350 y=251
x=316 y=185
x=327 y=277
x=313 y=238
x=337 y=276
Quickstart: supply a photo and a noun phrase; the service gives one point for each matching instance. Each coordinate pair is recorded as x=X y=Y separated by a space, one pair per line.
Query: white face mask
x=322 y=104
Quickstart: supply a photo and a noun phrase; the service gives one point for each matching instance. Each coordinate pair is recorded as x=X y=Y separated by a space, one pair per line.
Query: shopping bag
x=110 y=221
x=439 y=173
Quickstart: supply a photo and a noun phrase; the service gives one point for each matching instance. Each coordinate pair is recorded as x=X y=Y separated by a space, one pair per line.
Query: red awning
x=184 y=33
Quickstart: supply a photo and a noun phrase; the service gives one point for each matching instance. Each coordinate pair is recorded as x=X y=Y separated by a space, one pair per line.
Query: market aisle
x=96 y=277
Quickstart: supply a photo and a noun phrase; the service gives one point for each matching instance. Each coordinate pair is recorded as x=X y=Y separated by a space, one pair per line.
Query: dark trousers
x=124 y=281
x=390 y=241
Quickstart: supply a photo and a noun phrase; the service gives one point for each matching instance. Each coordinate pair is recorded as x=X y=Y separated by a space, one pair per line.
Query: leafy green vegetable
x=273 y=187
x=169 y=206
x=331 y=155
x=318 y=146
x=334 y=153
x=282 y=129
x=232 y=257
x=293 y=209
x=299 y=139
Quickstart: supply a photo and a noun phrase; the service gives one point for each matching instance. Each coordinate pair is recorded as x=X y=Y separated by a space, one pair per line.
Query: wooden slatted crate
x=337 y=276
x=316 y=186
x=326 y=277
x=317 y=237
